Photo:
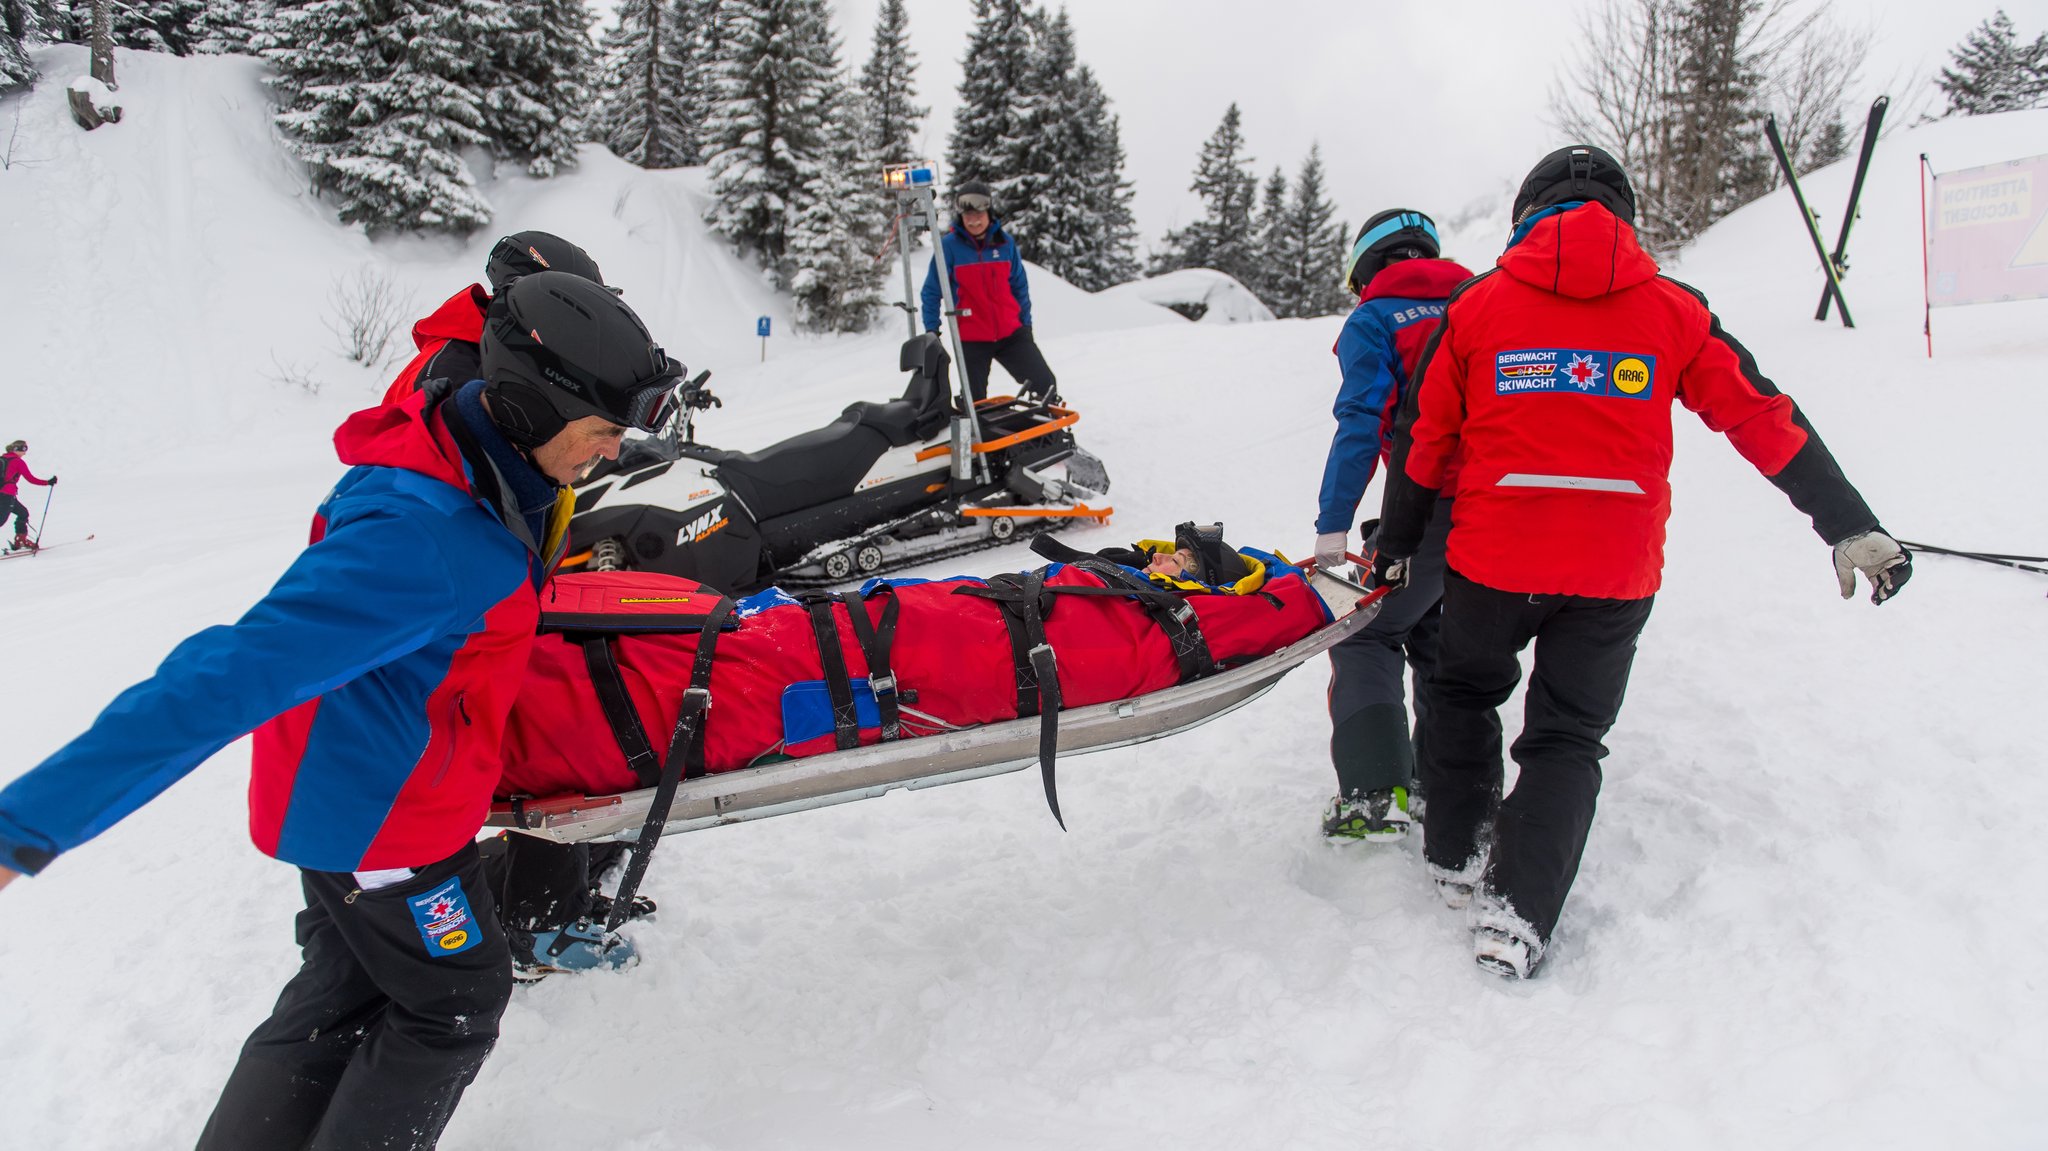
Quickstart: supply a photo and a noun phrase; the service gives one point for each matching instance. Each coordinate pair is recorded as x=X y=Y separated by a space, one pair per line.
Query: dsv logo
x=702 y=526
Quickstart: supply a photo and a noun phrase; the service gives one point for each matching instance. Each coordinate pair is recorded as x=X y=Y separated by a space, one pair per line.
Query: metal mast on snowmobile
x=917 y=184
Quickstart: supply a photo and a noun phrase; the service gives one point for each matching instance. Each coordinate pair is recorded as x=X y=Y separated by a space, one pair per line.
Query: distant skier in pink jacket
x=14 y=469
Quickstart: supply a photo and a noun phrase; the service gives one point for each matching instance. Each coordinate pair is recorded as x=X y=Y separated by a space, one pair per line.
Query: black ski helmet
x=1577 y=172
x=974 y=188
x=524 y=253
x=1390 y=236
x=557 y=348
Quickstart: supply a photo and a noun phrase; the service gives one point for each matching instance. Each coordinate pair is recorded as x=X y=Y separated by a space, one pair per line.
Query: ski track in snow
x=1805 y=915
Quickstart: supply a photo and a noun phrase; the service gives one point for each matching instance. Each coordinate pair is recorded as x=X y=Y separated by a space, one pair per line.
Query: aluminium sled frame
x=949 y=757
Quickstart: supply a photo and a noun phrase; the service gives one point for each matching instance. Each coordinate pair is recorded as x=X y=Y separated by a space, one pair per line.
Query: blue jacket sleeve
x=374 y=589
x=1018 y=288
x=931 y=294
x=1365 y=350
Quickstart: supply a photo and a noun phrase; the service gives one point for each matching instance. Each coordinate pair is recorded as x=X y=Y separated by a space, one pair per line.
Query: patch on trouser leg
x=444 y=920
x=1372 y=750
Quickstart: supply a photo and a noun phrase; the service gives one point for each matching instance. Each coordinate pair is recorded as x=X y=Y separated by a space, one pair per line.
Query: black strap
x=1172 y=612
x=876 y=643
x=1022 y=597
x=619 y=711
x=838 y=683
x=685 y=753
x=1168 y=609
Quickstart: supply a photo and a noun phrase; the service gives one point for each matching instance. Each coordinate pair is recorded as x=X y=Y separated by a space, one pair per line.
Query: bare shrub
x=368 y=310
x=292 y=374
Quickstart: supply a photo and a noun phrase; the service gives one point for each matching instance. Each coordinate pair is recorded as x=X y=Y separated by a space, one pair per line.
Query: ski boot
x=1502 y=941
x=1456 y=885
x=581 y=946
x=1375 y=815
x=22 y=543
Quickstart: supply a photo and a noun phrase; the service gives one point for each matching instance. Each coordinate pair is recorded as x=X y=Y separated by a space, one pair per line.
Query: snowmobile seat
x=923 y=408
x=805 y=470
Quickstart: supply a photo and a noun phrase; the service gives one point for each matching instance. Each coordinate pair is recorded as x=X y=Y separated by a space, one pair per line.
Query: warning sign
x=1987 y=234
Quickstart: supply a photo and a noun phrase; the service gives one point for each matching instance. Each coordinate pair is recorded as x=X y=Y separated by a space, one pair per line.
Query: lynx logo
x=702 y=526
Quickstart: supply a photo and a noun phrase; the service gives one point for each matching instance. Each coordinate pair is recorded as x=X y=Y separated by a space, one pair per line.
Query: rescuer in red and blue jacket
x=1395 y=270
x=377 y=675
x=1550 y=387
x=991 y=301
x=448 y=339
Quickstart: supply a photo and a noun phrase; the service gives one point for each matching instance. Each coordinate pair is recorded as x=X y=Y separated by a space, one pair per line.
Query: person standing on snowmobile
x=1550 y=387
x=1401 y=284
x=447 y=340
x=14 y=469
x=377 y=675
x=990 y=296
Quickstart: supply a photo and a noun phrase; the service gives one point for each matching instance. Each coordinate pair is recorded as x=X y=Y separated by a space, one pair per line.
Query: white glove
x=1330 y=548
x=1881 y=560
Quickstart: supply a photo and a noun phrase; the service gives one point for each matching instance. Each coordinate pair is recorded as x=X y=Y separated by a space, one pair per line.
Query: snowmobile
x=917 y=478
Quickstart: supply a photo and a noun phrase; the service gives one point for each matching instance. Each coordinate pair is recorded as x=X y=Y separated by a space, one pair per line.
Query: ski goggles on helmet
x=972 y=202
x=1392 y=226
x=646 y=403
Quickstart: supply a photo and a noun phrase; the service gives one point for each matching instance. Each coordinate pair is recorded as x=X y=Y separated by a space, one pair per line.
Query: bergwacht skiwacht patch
x=444 y=919
x=1576 y=371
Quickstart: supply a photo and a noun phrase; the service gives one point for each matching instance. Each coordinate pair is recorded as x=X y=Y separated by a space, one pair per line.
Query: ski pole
x=2022 y=563
x=37 y=543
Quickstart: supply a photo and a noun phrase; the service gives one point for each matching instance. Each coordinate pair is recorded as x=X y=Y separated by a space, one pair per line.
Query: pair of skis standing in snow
x=1524 y=416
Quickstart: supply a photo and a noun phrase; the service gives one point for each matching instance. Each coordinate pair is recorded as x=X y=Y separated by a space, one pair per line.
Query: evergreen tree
x=144 y=25
x=1111 y=256
x=17 y=24
x=889 y=87
x=654 y=95
x=1993 y=71
x=374 y=102
x=1310 y=248
x=835 y=230
x=988 y=131
x=1720 y=114
x=228 y=25
x=1270 y=227
x=770 y=127
x=540 y=71
x=1223 y=238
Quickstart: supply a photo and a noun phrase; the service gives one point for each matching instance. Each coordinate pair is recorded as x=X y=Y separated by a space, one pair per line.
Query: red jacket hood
x=1426 y=279
x=1584 y=252
x=461 y=317
x=402 y=435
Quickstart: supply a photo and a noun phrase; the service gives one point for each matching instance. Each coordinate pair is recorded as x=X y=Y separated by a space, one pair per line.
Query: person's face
x=576 y=448
x=976 y=221
x=1174 y=563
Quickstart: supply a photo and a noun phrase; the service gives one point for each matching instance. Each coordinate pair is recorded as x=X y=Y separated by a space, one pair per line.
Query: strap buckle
x=883 y=684
x=696 y=699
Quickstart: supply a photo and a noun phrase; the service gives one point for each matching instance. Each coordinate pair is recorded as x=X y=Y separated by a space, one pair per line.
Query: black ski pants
x=1018 y=354
x=1370 y=741
x=1584 y=647
x=10 y=506
x=388 y=1020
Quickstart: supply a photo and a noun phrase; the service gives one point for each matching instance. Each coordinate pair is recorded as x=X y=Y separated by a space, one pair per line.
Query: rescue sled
x=787 y=786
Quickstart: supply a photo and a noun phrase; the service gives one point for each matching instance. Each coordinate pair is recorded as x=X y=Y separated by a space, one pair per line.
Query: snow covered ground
x=1808 y=914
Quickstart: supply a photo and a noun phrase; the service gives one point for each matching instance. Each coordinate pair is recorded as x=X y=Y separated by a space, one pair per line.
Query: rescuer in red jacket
x=448 y=339
x=1550 y=385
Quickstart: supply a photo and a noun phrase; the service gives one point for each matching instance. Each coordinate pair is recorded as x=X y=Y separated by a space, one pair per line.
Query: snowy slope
x=1222 y=299
x=1806 y=916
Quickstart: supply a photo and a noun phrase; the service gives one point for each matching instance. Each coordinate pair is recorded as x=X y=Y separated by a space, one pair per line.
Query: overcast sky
x=1423 y=105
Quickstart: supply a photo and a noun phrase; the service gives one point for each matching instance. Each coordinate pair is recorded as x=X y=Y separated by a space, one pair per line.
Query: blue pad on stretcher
x=807 y=711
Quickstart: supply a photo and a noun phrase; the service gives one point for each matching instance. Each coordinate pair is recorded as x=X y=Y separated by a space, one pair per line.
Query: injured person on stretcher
x=633 y=670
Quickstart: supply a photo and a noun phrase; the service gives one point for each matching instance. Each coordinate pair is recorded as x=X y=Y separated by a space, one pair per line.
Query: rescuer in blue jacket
x=992 y=301
x=377 y=675
x=1401 y=285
